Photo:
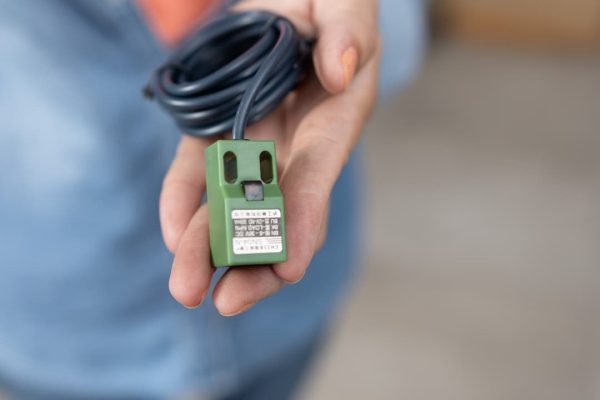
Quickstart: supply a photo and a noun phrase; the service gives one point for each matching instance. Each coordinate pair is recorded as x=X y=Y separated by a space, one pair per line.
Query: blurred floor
x=483 y=278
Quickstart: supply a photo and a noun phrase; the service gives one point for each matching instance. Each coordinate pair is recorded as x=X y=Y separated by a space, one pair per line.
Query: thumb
x=347 y=36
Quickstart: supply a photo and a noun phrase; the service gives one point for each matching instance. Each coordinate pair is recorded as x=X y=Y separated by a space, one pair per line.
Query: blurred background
x=482 y=276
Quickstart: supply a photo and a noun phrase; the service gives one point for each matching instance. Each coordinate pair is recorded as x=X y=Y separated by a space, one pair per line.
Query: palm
x=282 y=124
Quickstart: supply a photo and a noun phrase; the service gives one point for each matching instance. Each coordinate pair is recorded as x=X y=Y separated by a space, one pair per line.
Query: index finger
x=182 y=189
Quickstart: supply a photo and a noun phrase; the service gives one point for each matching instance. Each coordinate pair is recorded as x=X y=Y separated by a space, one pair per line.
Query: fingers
x=298 y=12
x=323 y=228
x=192 y=270
x=182 y=189
x=242 y=287
x=322 y=144
x=347 y=35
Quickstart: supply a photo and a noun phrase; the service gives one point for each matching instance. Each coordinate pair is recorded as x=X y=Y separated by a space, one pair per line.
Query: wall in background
x=553 y=24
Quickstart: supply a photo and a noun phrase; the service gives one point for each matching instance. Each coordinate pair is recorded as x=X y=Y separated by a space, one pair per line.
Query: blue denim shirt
x=84 y=304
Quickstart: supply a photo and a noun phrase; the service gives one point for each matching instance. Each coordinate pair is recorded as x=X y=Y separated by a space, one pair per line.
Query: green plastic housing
x=244 y=230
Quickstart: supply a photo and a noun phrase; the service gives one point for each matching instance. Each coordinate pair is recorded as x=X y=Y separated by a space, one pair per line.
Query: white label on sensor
x=257 y=231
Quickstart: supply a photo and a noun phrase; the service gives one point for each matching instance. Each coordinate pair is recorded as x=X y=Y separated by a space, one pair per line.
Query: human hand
x=315 y=130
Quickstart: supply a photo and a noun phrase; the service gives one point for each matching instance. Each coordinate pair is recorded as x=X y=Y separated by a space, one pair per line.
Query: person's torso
x=84 y=305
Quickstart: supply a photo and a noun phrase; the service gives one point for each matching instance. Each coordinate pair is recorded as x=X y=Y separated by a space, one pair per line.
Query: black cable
x=232 y=72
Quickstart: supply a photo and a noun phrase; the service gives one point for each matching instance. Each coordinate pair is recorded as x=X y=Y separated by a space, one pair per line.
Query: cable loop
x=231 y=73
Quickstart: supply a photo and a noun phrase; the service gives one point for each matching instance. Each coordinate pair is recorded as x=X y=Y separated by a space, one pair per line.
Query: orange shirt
x=172 y=20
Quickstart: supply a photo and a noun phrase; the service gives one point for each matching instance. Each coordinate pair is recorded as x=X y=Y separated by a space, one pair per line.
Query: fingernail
x=349 y=62
x=298 y=280
x=199 y=303
x=241 y=310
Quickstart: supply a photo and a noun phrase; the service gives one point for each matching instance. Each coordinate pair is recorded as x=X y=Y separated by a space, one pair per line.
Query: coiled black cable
x=231 y=73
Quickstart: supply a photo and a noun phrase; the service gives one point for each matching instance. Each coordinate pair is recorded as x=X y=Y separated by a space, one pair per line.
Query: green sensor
x=245 y=204
x=233 y=72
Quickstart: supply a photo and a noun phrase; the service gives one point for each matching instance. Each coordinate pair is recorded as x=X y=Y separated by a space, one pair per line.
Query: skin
x=315 y=130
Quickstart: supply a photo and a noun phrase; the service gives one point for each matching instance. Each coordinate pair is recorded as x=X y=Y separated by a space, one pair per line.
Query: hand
x=315 y=130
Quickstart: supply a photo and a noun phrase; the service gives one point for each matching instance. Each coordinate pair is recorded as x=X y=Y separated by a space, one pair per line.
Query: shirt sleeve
x=404 y=33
